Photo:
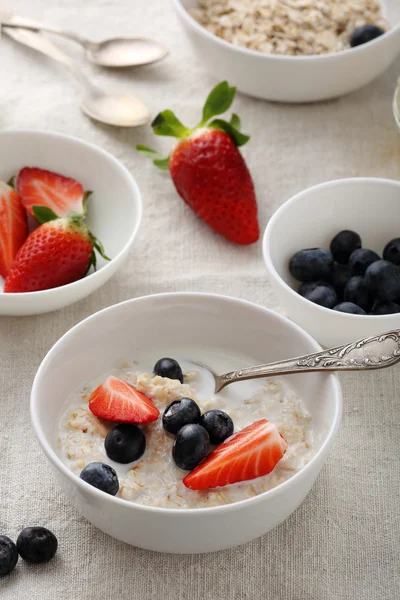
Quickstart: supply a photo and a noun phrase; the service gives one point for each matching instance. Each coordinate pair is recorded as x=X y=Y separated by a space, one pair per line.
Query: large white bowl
x=176 y=321
x=311 y=219
x=114 y=209
x=294 y=78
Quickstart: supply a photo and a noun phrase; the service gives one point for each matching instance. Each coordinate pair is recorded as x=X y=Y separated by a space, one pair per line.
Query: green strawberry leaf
x=236 y=122
x=43 y=214
x=159 y=160
x=11 y=182
x=166 y=123
x=218 y=101
x=74 y=216
x=99 y=246
x=162 y=163
x=239 y=138
x=93 y=261
x=86 y=196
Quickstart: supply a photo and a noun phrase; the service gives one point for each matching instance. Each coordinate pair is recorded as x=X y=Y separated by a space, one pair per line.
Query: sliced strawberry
x=251 y=453
x=13 y=227
x=116 y=400
x=61 y=194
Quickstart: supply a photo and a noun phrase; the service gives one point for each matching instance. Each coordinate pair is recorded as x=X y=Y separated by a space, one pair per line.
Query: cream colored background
x=343 y=543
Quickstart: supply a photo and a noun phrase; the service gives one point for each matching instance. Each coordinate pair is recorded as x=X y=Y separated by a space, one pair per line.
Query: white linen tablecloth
x=344 y=541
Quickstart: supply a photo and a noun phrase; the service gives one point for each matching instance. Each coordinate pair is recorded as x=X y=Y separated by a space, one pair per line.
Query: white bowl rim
x=280 y=57
x=127 y=176
x=84 y=486
x=285 y=207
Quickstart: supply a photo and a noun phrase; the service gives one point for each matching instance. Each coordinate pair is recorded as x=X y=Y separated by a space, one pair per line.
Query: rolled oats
x=290 y=27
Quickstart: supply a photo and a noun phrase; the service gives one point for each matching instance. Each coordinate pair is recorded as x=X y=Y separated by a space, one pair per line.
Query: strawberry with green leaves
x=208 y=170
x=58 y=252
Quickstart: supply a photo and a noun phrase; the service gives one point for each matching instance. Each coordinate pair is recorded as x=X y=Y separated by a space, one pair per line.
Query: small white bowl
x=294 y=78
x=114 y=209
x=176 y=321
x=311 y=219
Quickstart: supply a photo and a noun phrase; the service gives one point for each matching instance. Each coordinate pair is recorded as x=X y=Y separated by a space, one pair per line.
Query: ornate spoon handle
x=377 y=352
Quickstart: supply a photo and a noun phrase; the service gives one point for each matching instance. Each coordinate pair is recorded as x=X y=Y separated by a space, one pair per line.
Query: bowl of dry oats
x=294 y=50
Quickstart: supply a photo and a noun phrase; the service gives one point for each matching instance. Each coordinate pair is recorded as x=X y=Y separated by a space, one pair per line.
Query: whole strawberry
x=208 y=170
x=58 y=252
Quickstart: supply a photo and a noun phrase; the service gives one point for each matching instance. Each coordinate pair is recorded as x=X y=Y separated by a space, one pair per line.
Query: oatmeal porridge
x=291 y=27
x=155 y=479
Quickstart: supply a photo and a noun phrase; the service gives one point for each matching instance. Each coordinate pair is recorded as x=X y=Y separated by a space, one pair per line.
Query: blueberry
x=37 y=544
x=324 y=295
x=340 y=277
x=179 y=413
x=191 y=446
x=360 y=261
x=391 y=252
x=364 y=34
x=356 y=291
x=101 y=476
x=350 y=308
x=125 y=443
x=343 y=244
x=8 y=556
x=386 y=308
x=307 y=287
x=311 y=264
x=218 y=424
x=168 y=367
x=383 y=280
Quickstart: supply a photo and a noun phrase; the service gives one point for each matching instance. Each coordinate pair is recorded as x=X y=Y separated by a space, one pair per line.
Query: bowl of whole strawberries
x=332 y=254
x=69 y=214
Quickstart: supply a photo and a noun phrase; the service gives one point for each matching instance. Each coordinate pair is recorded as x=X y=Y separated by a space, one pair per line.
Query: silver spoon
x=377 y=352
x=123 y=110
x=114 y=52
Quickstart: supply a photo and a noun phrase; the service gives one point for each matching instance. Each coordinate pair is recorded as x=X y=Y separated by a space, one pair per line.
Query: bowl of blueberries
x=332 y=254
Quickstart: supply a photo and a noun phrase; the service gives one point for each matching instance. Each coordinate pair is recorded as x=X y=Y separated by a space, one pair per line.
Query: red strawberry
x=57 y=253
x=13 y=227
x=62 y=195
x=251 y=453
x=116 y=400
x=208 y=170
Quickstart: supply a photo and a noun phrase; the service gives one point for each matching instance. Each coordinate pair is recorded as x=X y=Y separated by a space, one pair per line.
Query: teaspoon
x=377 y=352
x=113 y=52
x=123 y=110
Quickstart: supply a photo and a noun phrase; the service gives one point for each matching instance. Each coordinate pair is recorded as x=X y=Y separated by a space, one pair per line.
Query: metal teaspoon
x=123 y=110
x=113 y=52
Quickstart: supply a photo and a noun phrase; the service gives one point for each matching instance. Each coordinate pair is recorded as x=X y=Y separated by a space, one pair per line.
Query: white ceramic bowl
x=296 y=78
x=179 y=320
x=114 y=209
x=311 y=219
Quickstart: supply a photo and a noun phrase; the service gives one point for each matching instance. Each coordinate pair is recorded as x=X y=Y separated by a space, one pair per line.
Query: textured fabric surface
x=343 y=542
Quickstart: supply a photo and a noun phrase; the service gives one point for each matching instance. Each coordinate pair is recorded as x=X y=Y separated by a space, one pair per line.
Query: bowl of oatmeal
x=154 y=503
x=293 y=50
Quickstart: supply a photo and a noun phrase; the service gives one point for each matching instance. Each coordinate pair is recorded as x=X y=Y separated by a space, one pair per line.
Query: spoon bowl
x=125 y=52
x=122 y=110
